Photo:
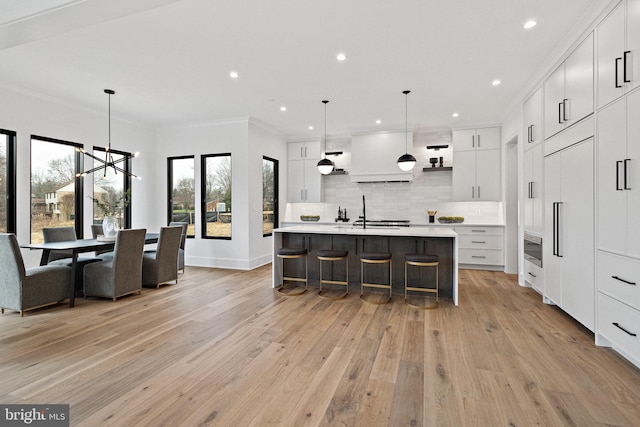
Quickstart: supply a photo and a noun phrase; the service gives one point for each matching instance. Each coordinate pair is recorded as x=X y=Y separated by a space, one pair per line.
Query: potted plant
x=112 y=210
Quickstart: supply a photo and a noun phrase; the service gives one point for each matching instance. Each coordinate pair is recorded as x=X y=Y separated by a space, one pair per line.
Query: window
x=269 y=195
x=182 y=191
x=55 y=200
x=109 y=186
x=216 y=196
x=7 y=181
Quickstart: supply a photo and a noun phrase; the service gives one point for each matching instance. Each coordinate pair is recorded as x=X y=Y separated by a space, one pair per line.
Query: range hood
x=374 y=157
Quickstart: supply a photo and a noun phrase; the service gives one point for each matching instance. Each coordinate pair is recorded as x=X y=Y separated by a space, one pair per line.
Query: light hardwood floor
x=221 y=348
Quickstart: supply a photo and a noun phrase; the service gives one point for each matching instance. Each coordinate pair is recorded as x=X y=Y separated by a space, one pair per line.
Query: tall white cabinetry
x=476 y=164
x=568 y=243
x=304 y=180
x=533 y=165
x=568 y=92
x=619 y=52
x=618 y=230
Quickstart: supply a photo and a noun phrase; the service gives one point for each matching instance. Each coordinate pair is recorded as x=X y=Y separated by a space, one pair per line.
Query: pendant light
x=406 y=162
x=108 y=161
x=325 y=166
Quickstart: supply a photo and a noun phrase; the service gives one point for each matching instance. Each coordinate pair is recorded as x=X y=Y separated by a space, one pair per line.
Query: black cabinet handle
x=560 y=112
x=625 y=174
x=556 y=229
x=554 y=219
x=624 y=281
x=564 y=109
x=532 y=134
x=529 y=134
x=617 y=62
x=618 y=163
x=624 y=65
x=473 y=140
x=532 y=275
x=623 y=329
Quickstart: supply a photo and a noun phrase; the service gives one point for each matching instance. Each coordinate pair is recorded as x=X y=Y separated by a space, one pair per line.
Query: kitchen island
x=398 y=241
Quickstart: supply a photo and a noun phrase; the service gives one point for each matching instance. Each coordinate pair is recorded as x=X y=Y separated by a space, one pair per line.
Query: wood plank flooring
x=222 y=348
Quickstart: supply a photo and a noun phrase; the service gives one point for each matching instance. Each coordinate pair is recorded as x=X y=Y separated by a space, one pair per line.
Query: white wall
x=28 y=115
x=512 y=130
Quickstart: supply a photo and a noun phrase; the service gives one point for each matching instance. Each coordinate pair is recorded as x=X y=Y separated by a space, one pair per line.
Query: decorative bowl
x=451 y=219
x=310 y=218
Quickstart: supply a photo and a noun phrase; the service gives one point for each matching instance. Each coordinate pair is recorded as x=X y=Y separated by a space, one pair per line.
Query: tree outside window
x=216 y=196
x=269 y=195
x=182 y=190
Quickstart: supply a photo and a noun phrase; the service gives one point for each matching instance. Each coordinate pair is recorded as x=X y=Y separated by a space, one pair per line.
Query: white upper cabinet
x=303 y=179
x=568 y=92
x=618 y=181
x=304 y=150
x=618 y=60
x=476 y=139
x=533 y=117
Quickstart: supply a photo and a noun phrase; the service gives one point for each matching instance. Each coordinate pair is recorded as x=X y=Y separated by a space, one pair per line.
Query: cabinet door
x=553 y=96
x=487 y=138
x=610 y=49
x=633 y=175
x=533 y=117
x=537 y=189
x=312 y=182
x=295 y=179
x=313 y=150
x=295 y=151
x=633 y=43
x=576 y=231
x=464 y=176
x=578 y=83
x=528 y=200
x=464 y=140
x=487 y=175
x=552 y=265
x=612 y=206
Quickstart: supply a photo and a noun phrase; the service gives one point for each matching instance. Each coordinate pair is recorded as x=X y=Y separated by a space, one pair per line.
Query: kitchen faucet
x=364 y=214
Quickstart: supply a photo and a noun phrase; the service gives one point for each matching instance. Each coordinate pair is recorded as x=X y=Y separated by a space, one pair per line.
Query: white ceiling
x=169 y=60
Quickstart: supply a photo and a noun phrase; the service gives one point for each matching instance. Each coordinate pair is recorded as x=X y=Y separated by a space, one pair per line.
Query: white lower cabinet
x=568 y=244
x=534 y=276
x=619 y=324
x=481 y=246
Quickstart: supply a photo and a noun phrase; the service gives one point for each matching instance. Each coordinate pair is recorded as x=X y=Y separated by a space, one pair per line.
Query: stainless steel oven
x=533 y=249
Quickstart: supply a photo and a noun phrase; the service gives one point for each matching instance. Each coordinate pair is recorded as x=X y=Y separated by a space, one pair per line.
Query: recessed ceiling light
x=341 y=57
x=310 y=127
x=378 y=122
x=455 y=115
x=496 y=82
x=283 y=108
x=529 y=24
x=233 y=75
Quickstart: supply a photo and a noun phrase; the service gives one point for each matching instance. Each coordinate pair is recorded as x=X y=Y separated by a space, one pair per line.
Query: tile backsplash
x=397 y=200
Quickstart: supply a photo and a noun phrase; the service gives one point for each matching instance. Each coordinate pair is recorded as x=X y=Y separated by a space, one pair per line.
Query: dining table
x=76 y=247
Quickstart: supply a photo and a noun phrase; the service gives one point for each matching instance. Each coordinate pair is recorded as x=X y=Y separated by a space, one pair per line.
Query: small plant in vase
x=112 y=210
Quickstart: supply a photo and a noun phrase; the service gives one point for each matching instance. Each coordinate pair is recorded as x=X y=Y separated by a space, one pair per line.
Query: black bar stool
x=374 y=258
x=333 y=255
x=421 y=260
x=293 y=253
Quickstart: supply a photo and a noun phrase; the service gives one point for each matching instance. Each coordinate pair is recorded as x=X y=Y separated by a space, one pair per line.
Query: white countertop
x=347 y=229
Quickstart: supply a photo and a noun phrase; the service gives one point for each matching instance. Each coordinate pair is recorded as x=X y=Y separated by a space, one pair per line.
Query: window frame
x=276 y=195
x=126 y=165
x=203 y=195
x=78 y=184
x=170 y=188
x=11 y=188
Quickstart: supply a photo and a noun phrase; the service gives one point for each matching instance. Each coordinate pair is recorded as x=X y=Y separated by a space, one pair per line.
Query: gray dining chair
x=161 y=267
x=23 y=289
x=62 y=234
x=104 y=254
x=183 y=241
x=122 y=275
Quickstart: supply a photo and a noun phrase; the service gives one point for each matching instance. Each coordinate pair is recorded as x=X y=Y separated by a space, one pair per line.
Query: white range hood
x=374 y=157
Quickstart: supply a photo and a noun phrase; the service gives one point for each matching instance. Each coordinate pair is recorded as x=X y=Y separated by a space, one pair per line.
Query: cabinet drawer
x=612 y=313
x=534 y=275
x=480 y=241
x=619 y=277
x=481 y=230
x=480 y=256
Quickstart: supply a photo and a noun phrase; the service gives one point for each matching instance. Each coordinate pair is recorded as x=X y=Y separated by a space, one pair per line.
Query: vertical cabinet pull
x=556 y=229
x=624 y=67
x=618 y=163
x=473 y=192
x=473 y=141
x=616 y=68
x=532 y=134
x=478 y=141
x=625 y=174
x=478 y=191
x=560 y=112
x=564 y=109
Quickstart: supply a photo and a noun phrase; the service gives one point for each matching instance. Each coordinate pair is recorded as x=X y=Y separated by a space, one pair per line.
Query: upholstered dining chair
x=122 y=275
x=23 y=289
x=96 y=230
x=65 y=234
x=183 y=241
x=161 y=267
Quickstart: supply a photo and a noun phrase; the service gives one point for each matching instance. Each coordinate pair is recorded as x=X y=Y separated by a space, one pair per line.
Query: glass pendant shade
x=406 y=162
x=325 y=166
